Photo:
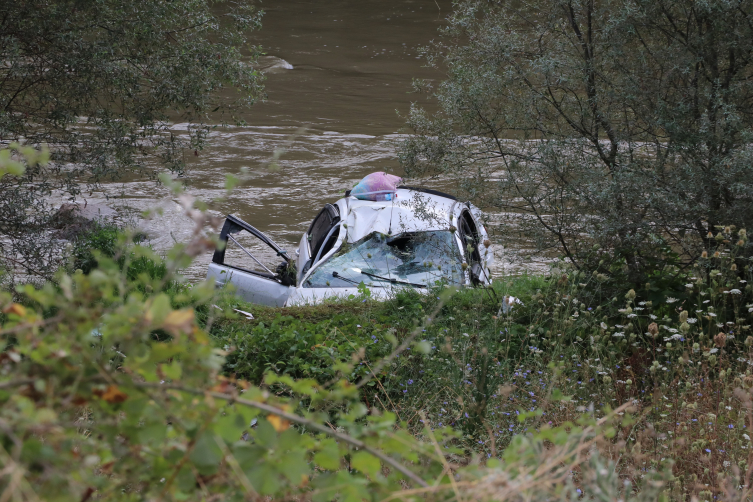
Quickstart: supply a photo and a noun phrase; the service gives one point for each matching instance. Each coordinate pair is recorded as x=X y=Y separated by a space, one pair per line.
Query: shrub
x=563 y=117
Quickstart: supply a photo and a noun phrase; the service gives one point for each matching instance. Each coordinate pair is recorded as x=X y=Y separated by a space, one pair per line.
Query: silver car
x=417 y=239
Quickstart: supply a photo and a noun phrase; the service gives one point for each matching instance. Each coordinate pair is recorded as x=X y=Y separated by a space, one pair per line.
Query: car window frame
x=234 y=225
x=333 y=212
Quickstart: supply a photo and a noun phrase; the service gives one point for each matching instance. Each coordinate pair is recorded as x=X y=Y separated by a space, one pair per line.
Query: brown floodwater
x=338 y=79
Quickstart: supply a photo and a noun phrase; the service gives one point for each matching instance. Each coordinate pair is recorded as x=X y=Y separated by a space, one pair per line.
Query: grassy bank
x=678 y=348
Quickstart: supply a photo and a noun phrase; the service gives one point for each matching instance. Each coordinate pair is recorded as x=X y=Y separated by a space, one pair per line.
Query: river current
x=338 y=84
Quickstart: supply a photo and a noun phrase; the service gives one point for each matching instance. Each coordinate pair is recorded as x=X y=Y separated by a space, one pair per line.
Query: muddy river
x=338 y=76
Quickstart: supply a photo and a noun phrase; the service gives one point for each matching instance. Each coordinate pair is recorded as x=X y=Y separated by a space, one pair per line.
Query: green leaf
x=185 y=480
x=160 y=308
x=557 y=395
x=206 y=454
x=328 y=457
x=231 y=182
x=230 y=426
x=296 y=468
x=173 y=371
x=366 y=463
x=153 y=433
x=265 y=434
x=265 y=478
x=423 y=347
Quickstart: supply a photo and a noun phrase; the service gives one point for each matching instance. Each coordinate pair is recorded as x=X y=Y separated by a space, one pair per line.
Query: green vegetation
x=625 y=373
x=510 y=385
x=679 y=349
x=101 y=83
x=115 y=384
x=608 y=132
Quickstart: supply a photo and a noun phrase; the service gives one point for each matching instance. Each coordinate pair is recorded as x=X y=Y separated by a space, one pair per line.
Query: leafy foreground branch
x=121 y=398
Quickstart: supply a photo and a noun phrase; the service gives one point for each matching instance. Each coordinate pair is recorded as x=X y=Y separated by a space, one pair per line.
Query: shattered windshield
x=417 y=259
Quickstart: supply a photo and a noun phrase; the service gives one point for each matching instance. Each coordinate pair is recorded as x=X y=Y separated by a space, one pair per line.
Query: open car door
x=250 y=261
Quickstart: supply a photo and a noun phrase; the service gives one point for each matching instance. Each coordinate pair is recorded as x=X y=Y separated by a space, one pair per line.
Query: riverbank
x=678 y=350
x=585 y=384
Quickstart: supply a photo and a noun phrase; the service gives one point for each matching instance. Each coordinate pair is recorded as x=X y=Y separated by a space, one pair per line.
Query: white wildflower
x=711 y=314
x=671 y=300
x=746 y=437
x=713 y=351
x=632 y=315
x=619 y=334
x=692 y=320
x=735 y=291
x=689 y=286
x=603 y=325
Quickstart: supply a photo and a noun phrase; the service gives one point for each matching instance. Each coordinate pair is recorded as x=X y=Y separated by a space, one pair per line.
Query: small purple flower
x=466 y=414
x=410 y=382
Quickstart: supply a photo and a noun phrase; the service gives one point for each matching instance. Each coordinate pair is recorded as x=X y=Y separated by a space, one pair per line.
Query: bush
x=586 y=140
x=102 y=237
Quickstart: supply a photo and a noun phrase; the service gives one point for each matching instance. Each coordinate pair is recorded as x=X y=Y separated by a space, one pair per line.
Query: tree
x=100 y=82
x=619 y=125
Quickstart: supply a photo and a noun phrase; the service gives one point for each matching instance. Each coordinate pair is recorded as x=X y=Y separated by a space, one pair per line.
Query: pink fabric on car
x=377 y=187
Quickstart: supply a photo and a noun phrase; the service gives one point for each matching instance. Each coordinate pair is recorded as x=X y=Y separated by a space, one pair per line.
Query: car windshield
x=419 y=259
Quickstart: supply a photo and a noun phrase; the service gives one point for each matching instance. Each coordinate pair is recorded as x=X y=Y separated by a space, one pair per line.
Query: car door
x=321 y=236
x=250 y=261
x=469 y=236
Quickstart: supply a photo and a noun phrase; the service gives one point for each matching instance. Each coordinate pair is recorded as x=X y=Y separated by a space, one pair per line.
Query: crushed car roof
x=410 y=210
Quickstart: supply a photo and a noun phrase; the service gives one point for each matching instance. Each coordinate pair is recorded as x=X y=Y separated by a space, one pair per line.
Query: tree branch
x=292 y=418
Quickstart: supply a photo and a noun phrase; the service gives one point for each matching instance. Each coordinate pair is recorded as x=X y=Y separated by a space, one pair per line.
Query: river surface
x=338 y=79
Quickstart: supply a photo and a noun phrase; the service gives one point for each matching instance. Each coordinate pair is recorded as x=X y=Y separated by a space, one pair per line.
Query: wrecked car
x=414 y=238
